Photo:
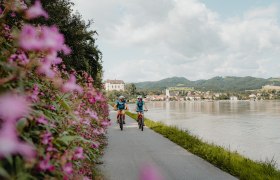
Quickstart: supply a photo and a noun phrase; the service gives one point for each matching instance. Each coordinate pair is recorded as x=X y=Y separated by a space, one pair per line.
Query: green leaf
x=68 y=139
x=65 y=105
x=10 y=159
x=21 y=124
x=24 y=176
x=4 y=173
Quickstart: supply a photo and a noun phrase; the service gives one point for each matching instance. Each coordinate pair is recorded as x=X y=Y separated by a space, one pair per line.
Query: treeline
x=85 y=54
x=217 y=84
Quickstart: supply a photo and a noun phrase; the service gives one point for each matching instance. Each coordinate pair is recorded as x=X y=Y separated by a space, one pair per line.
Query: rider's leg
x=142 y=116
x=118 y=116
x=123 y=115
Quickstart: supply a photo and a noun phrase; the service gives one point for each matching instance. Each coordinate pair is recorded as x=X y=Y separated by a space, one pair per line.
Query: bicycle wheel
x=121 y=122
x=139 y=122
x=142 y=123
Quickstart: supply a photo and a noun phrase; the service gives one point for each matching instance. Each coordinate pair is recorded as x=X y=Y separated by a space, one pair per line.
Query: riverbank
x=231 y=162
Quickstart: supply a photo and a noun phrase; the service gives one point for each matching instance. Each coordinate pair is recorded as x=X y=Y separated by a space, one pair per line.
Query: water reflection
x=250 y=127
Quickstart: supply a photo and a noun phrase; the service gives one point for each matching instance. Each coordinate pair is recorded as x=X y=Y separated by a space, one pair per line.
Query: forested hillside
x=230 y=83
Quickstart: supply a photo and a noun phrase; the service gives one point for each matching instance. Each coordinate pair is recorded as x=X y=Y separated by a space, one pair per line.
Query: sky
x=149 y=40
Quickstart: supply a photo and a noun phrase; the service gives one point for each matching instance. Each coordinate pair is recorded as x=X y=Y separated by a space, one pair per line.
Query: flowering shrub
x=52 y=122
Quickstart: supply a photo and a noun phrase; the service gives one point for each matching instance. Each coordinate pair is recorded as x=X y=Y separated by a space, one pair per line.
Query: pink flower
x=29 y=38
x=71 y=85
x=92 y=114
x=46 y=138
x=20 y=57
x=36 y=11
x=35 y=93
x=102 y=131
x=42 y=120
x=95 y=145
x=45 y=68
x=96 y=132
x=66 y=50
x=45 y=164
x=86 y=122
x=79 y=153
x=99 y=97
x=67 y=168
x=52 y=39
x=149 y=172
x=17 y=5
x=52 y=58
x=52 y=107
x=23 y=6
x=41 y=39
x=105 y=123
x=13 y=107
x=51 y=148
x=92 y=100
x=13 y=14
x=10 y=144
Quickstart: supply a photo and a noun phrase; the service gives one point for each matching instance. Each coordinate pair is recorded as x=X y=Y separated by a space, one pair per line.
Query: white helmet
x=139 y=97
x=121 y=97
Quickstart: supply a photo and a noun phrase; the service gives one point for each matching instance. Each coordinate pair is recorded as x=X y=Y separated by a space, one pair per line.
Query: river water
x=250 y=127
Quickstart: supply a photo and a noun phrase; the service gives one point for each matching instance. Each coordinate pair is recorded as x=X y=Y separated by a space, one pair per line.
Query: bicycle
x=141 y=120
x=120 y=121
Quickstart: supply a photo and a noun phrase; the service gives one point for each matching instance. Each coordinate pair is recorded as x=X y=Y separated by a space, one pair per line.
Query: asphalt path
x=130 y=150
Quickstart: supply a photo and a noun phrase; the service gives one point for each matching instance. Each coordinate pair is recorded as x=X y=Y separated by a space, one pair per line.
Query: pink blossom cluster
x=13 y=107
x=36 y=11
x=42 y=107
x=19 y=57
x=42 y=38
x=34 y=97
x=16 y=5
x=7 y=31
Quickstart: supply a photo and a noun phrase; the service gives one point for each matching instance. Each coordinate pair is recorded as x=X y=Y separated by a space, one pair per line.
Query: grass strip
x=230 y=162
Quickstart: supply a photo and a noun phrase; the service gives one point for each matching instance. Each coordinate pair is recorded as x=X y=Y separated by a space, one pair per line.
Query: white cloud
x=155 y=39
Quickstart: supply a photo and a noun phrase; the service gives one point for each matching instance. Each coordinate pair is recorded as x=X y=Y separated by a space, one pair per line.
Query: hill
x=229 y=83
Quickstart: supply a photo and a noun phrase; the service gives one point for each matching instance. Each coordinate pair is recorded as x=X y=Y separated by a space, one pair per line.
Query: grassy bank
x=230 y=162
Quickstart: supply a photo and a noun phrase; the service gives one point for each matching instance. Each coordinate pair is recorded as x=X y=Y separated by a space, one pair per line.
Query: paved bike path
x=131 y=149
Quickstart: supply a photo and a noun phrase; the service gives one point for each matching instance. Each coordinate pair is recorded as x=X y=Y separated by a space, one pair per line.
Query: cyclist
x=140 y=105
x=121 y=105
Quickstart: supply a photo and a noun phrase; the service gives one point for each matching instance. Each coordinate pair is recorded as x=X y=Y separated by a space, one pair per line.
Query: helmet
x=139 y=97
x=121 y=97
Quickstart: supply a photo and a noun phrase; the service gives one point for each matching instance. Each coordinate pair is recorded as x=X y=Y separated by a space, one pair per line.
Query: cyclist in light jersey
x=140 y=105
x=121 y=106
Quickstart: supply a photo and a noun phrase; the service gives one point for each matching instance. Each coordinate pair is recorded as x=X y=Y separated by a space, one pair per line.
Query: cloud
x=151 y=40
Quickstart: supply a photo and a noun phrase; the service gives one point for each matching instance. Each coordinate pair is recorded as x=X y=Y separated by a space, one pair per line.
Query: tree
x=85 y=54
x=131 y=89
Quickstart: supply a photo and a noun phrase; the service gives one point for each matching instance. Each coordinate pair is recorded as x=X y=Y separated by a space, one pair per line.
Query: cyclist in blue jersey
x=140 y=105
x=121 y=106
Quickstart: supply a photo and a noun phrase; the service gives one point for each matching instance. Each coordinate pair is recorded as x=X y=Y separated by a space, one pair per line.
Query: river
x=252 y=128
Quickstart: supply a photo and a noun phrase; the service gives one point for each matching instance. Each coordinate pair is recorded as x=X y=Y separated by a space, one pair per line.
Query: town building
x=233 y=98
x=155 y=98
x=270 y=88
x=252 y=97
x=117 y=85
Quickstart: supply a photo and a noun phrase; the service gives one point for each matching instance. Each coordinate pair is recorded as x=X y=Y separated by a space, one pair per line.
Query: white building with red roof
x=117 y=85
